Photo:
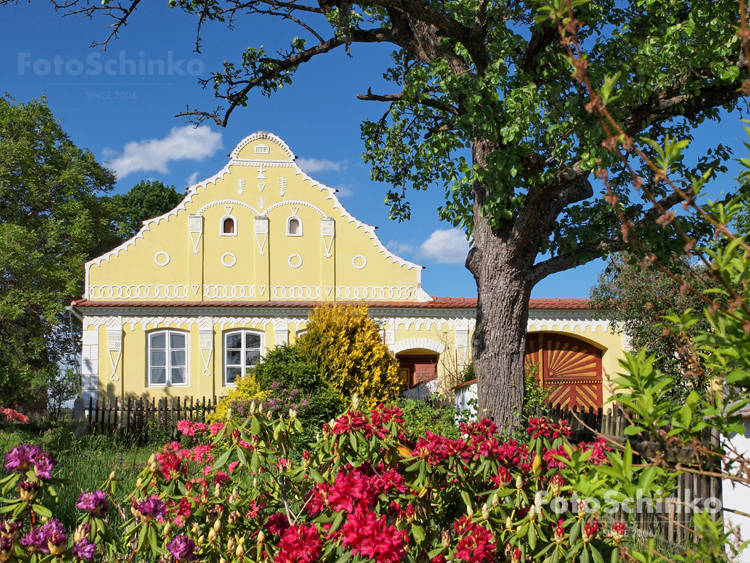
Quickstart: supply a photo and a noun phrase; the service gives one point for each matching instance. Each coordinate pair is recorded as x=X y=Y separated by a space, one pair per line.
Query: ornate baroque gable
x=259 y=230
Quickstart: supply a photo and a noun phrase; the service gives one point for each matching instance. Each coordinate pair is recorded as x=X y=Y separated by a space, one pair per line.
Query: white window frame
x=236 y=226
x=168 y=350
x=288 y=221
x=243 y=331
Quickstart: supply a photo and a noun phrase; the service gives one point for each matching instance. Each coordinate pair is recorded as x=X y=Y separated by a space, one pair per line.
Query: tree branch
x=600 y=248
x=429 y=102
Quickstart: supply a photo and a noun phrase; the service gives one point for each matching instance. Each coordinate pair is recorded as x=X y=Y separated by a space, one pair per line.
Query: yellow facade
x=232 y=271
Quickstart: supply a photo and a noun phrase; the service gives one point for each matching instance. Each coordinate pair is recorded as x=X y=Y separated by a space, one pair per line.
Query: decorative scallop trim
x=161 y=253
x=423 y=343
x=297 y=202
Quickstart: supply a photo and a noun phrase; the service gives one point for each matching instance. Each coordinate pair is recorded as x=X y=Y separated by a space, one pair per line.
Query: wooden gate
x=572 y=367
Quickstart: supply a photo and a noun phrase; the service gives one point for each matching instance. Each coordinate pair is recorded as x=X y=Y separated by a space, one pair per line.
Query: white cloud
x=345 y=190
x=312 y=165
x=192 y=178
x=399 y=248
x=154 y=155
x=447 y=246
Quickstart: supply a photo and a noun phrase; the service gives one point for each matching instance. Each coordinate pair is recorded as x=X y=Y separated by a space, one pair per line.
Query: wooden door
x=571 y=367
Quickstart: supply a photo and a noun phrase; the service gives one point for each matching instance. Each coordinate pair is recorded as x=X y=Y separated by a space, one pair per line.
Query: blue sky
x=129 y=119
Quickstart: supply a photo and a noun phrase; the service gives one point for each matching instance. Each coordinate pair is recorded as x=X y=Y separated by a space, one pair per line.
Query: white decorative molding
x=262 y=149
x=559 y=320
x=462 y=346
x=162 y=291
x=281 y=330
x=261 y=228
x=114 y=349
x=295 y=292
x=241 y=322
x=441 y=320
x=164 y=261
x=228 y=259
x=228 y=202
x=424 y=343
x=294 y=260
x=261 y=203
x=376 y=293
x=261 y=135
x=228 y=291
x=389 y=337
x=297 y=203
x=261 y=187
x=240 y=186
x=234 y=220
x=195 y=229
x=362 y=259
x=328 y=231
x=282 y=186
x=206 y=342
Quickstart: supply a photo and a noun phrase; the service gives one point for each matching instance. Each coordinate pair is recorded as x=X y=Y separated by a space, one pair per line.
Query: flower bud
x=508 y=523
x=231 y=544
x=240 y=551
x=218 y=525
x=261 y=537
x=495 y=501
x=446 y=538
x=292 y=414
x=167 y=530
x=355 y=401
x=82 y=531
x=196 y=529
x=212 y=535
x=217 y=490
x=229 y=414
x=253 y=407
x=470 y=511
x=139 y=483
x=519 y=482
x=112 y=476
x=222 y=560
x=532 y=513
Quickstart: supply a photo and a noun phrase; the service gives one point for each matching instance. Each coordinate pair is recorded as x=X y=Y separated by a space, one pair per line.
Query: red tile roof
x=436 y=303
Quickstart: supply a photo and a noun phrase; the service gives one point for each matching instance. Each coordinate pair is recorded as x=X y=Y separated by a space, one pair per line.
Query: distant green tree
x=146 y=200
x=51 y=222
x=636 y=298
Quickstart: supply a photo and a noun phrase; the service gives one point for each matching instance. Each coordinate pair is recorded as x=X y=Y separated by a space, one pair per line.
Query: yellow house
x=200 y=293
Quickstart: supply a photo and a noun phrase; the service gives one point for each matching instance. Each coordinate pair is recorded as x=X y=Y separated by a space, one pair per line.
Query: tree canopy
x=50 y=224
x=494 y=79
x=146 y=200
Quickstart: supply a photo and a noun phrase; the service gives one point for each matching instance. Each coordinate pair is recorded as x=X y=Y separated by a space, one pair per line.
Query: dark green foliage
x=433 y=415
x=146 y=200
x=636 y=299
x=284 y=369
x=50 y=224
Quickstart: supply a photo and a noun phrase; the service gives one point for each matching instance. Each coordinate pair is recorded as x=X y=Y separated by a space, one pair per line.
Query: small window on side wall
x=294 y=227
x=229 y=226
x=167 y=358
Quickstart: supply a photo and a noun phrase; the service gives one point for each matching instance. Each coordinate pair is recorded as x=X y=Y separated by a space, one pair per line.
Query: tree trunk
x=500 y=335
x=501 y=263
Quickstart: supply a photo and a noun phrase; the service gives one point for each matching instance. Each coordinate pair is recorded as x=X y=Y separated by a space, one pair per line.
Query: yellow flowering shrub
x=247 y=389
x=347 y=346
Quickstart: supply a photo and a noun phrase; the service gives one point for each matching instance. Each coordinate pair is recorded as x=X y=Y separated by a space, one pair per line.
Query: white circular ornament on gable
x=362 y=261
x=295 y=260
x=228 y=259
x=164 y=258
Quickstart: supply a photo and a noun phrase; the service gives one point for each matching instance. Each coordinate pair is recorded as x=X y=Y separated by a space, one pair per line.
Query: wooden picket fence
x=670 y=518
x=141 y=420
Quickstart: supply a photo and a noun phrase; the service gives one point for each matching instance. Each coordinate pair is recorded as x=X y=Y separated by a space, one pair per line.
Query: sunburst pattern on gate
x=571 y=367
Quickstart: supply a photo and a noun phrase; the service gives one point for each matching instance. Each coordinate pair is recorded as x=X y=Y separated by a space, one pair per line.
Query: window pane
x=178 y=376
x=158 y=358
x=232 y=374
x=251 y=358
x=252 y=340
x=234 y=340
x=158 y=376
x=178 y=358
x=234 y=357
x=158 y=340
x=177 y=340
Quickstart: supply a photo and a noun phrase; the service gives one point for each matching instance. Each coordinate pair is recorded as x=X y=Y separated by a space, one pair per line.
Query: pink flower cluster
x=543 y=427
x=374 y=425
x=475 y=544
x=14 y=416
x=173 y=459
x=190 y=428
x=368 y=534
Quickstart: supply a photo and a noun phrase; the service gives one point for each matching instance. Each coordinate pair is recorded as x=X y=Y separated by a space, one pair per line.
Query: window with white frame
x=241 y=352
x=294 y=226
x=167 y=358
x=228 y=226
